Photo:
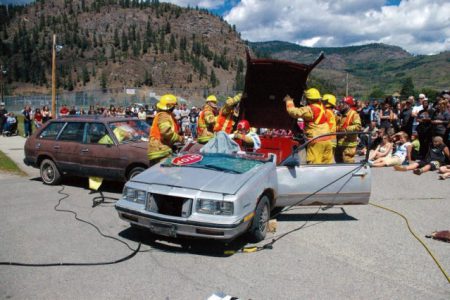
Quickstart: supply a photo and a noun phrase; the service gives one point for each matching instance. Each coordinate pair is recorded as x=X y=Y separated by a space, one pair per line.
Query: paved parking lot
x=342 y=252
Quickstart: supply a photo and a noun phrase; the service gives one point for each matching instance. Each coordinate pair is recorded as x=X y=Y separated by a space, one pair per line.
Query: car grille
x=169 y=205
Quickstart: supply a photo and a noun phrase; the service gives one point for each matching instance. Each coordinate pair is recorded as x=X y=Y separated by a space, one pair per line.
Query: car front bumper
x=162 y=226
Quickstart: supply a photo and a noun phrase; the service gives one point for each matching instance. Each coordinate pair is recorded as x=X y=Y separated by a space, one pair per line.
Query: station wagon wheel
x=260 y=222
x=135 y=171
x=49 y=172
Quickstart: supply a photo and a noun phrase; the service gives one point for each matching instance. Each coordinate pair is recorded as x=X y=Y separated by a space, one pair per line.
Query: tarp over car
x=267 y=82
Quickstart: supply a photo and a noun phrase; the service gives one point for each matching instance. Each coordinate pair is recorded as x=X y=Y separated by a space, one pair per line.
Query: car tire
x=49 y=172
x=276 y=211
x=258 y=229
x=135 y=171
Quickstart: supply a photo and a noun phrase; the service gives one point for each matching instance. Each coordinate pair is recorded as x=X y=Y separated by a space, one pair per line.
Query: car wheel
x=49 y=172
x=276 y=211
x=135 y=171
x=258 y=229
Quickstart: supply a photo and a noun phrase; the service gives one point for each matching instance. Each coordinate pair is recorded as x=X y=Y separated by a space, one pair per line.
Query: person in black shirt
x=193 y=117
x=406 y=118
x=434 y=159
x=424 y=129
x=27 y=121
x=440 y=120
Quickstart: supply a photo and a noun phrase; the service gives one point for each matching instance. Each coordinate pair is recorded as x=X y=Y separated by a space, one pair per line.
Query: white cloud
x=419 y=26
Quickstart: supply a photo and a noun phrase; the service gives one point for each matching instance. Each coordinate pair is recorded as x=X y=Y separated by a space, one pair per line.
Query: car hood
x=267 y=82
x=205 y=180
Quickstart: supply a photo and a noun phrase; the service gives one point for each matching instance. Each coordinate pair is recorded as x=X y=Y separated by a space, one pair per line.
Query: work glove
x=287 y=98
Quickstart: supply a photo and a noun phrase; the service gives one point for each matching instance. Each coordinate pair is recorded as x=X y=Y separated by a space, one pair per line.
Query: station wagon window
x=97 y=134
x=51 y=131
x=73 y=132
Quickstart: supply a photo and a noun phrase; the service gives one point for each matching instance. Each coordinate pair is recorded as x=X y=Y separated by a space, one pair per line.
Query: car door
x=100 y=153
x=67 y=146
x=308 y=184
x=46 y=141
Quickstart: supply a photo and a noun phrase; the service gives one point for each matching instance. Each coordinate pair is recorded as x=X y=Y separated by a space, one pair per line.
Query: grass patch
x=7 y=165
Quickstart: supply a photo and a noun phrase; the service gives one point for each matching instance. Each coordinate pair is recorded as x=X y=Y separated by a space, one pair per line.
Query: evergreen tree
x=407 y=88
x=148 y=80
x=85 y=75
x=103 y=81
x=124 y=42
x=116 y=38
x=113 y=55
x=213 y=79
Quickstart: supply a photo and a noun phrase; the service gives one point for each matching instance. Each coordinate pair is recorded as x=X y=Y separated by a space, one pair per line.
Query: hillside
x=370 y=67
x=119 y=44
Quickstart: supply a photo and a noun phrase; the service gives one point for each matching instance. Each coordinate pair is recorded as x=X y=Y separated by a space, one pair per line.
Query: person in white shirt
x=402 y=152
x=142 y=115
x=418 y=106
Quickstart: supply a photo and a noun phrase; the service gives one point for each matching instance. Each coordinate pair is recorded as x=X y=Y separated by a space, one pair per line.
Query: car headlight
x=214 y=207
x=134 y=195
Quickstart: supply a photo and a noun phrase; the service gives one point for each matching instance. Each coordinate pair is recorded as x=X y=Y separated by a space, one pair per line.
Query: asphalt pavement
x=351 y=252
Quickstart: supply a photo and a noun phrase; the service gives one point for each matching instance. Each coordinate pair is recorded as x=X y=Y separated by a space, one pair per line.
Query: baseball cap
x=2 y=104
x=422 y=96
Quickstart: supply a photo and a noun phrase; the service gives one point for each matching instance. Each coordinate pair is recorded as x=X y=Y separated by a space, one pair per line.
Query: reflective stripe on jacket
x=225 y=120
x=310 y=115
x=205 y=124
x=163 y=134
x=349 y=122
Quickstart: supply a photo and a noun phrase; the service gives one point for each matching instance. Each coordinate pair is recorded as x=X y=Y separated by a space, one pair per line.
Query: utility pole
x=54 y=77
x=3 y=73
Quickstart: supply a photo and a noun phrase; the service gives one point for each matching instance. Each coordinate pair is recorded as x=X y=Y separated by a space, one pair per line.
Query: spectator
x=396 y=116
x=142 y=115
x=3 y=116
x=415 y=144
x=10 y=123
x=384 y=149
x=386 y=116
x=27 y=121
x=433 y=160
x=366 y=114
x=91 y=110
x=402 y=152
x=445 y=172
x=37 y=118
x=184 y=118
x=193 y=117
x=46 y=114
x=440 y=120
x=81 y=112
x=64 y=111
x=73 y=111
x=406 y=118
x=417 y=107
x=424 y=129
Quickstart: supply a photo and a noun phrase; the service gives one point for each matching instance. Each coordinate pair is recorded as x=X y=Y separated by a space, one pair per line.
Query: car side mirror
x=293 y=160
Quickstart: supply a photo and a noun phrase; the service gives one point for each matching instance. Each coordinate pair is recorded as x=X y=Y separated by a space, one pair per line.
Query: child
x=415 y=144
x=402 y=152
x=445 y=170
x=433 y=160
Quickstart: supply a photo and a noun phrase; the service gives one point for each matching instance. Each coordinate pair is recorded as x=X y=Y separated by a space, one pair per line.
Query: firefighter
x=249 y=139
x=206 y=120
x=319 y=150
x=349 y=121
x=329 y=101
x=225 y=120
x=164 y=130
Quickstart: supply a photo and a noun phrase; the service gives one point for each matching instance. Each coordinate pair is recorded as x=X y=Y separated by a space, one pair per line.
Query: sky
x=418 y=26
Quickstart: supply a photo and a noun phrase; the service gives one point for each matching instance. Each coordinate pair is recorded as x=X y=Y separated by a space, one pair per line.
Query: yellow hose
x=417 y=238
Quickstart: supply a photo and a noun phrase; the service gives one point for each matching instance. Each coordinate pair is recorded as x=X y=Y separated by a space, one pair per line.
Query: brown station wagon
x=111 y=148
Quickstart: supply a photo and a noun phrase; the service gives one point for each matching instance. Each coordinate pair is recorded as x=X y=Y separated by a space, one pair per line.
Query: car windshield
x=220 y=162
x=130 y=130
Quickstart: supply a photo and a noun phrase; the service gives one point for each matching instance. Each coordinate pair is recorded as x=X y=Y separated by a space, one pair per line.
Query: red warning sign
x=187 y=159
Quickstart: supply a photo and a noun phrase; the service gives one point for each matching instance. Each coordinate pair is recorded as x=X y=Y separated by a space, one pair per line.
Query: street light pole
x=54 y=77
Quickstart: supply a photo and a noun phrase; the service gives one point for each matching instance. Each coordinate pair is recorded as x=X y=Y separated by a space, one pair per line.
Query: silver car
x=221 y=196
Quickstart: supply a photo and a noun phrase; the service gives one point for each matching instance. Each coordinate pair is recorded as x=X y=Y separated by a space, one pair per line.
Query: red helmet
x=349 y=100
x=243 y=125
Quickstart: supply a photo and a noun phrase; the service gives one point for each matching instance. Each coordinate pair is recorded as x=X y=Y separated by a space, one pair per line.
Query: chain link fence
x=117 y=97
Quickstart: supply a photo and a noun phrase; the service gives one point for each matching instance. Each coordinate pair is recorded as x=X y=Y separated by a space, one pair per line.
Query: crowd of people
x=413 y=134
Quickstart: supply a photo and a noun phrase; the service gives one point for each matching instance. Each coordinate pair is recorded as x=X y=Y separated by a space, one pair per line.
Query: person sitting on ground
x=416 y=145
x=384 y=149
x=250 y=140
x=402 y=152
x=445 y=172
x=433 y=160
x=11 y=121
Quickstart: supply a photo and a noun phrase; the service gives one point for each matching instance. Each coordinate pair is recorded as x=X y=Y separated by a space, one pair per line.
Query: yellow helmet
x=166 y=102
x=211 y=98
x=329 y=99
x=312 y=94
